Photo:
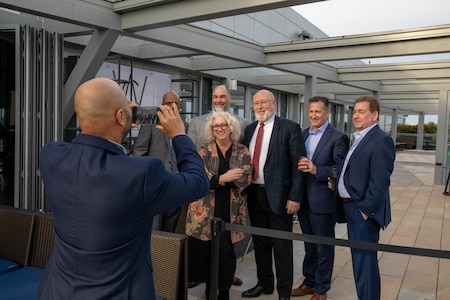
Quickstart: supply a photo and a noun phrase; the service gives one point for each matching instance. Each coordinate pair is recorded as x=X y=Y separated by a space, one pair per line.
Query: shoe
x=319 y=296
x=256 y=291
x=192 y=284
x=237 y=281
x=302 y=290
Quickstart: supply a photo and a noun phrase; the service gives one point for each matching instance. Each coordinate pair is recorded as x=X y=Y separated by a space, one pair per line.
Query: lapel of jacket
x=323 y=141
x=365 y=140
x=305 y=134
x=167 y=142
x=249 y=133
x=275 y=131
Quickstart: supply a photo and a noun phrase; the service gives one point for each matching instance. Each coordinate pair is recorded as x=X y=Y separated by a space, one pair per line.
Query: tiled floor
x=420 y=218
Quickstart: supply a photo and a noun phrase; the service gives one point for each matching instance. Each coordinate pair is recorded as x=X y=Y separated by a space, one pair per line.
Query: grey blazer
x=152 y=142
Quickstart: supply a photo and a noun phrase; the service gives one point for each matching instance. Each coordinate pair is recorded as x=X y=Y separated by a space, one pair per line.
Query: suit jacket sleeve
x=297 y=149
x=189 y=184
x=380 y=168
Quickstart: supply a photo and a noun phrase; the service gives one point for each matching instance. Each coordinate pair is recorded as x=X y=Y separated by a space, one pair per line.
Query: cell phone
x=144 y=115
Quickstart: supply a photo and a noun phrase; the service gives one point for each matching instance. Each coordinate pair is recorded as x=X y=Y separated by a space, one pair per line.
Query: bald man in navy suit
x=103 y=201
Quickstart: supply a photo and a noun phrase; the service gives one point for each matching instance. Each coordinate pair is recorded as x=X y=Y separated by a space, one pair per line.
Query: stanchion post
x=217 y=227
x=446 y=192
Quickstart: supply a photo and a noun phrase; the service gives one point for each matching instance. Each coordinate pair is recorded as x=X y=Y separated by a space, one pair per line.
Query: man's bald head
x=102 y=109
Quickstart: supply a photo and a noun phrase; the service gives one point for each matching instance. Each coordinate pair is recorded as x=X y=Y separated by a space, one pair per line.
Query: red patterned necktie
x=257 y=151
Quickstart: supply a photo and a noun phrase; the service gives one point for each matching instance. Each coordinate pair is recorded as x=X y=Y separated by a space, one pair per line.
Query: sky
x=347 y=17
x=344 y=17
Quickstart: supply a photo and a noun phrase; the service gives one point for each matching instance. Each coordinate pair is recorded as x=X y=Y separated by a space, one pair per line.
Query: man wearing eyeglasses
x=276 y=192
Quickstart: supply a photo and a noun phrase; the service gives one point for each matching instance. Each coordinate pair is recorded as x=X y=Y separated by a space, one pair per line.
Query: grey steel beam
x=401 y=71
x=87 y=67
x=92 y=14
x=136 y=16
x=196 y=39
x=382 y=44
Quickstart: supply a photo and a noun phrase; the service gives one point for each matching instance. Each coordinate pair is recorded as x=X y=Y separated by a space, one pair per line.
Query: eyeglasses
x=262 y=102
x=221 y=126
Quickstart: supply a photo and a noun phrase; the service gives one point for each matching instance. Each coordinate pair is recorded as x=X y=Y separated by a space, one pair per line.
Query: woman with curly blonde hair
x=229 y=170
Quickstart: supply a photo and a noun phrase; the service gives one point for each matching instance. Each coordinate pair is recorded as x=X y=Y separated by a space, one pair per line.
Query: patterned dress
x=226 y=201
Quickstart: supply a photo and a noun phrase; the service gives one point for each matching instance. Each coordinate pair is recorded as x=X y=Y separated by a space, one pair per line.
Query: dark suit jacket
x=283 y=180
x=367 y=177
x=103 y=203
x=330 y=152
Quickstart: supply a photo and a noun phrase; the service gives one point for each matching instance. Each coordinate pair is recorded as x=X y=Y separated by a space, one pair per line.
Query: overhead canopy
x=170 y=32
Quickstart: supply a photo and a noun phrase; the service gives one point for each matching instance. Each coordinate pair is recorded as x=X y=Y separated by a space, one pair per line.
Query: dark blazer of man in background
x=326 y=148
x=363 y=186
x=103 y=201
x=152 y=142
x=276 y=193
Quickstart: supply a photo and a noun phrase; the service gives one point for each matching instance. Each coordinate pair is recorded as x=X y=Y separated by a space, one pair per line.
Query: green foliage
x=430 y=127
x=403 y=128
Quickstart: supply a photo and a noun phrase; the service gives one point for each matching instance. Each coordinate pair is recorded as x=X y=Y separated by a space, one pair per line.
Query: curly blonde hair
x=232 y=122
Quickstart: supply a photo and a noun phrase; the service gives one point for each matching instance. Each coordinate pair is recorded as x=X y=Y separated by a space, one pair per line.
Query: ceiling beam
x=139 y=17
x=382 y=44
x=197 y=39
x=91 y=14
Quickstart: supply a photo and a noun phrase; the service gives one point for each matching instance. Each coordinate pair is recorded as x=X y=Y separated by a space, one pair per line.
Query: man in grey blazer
x=221 y=100
x=152 y=142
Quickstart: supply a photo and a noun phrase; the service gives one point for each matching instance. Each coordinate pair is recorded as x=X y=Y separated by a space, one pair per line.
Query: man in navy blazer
x=103 y=201
x=326 y=148
x=152 y=142
x=363 y=186
x=275 y=194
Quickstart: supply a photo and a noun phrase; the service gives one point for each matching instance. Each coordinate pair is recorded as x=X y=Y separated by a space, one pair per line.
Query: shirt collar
x=119 y=146
x=320 y=129
x=363 y=132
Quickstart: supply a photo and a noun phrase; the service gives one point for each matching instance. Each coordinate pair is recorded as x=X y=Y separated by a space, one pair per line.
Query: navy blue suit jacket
x=330 y=152
x=283 y=180
x=103 y=203
x=367 y=176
